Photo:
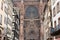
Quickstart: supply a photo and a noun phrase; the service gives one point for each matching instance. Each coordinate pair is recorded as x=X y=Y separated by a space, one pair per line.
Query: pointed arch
x=31 y=23
x=31 y=12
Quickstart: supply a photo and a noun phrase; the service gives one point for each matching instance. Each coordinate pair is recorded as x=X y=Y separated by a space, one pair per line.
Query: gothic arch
x=31 y=23
x=31 y=11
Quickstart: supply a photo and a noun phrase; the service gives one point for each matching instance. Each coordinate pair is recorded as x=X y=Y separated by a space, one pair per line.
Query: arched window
x=31 y=23
x=31 y=12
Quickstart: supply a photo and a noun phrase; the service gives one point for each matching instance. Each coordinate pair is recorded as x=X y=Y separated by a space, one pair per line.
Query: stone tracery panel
x=31 y=24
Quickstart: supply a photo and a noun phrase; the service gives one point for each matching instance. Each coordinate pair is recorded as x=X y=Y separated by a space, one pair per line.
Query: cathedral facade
x=31 y=18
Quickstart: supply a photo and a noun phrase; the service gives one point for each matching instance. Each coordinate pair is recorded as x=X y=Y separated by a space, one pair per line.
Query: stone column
x=21 y=20
x=41 y=7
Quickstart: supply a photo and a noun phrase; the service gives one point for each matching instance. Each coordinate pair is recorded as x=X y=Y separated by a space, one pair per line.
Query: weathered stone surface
x=30 y=32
